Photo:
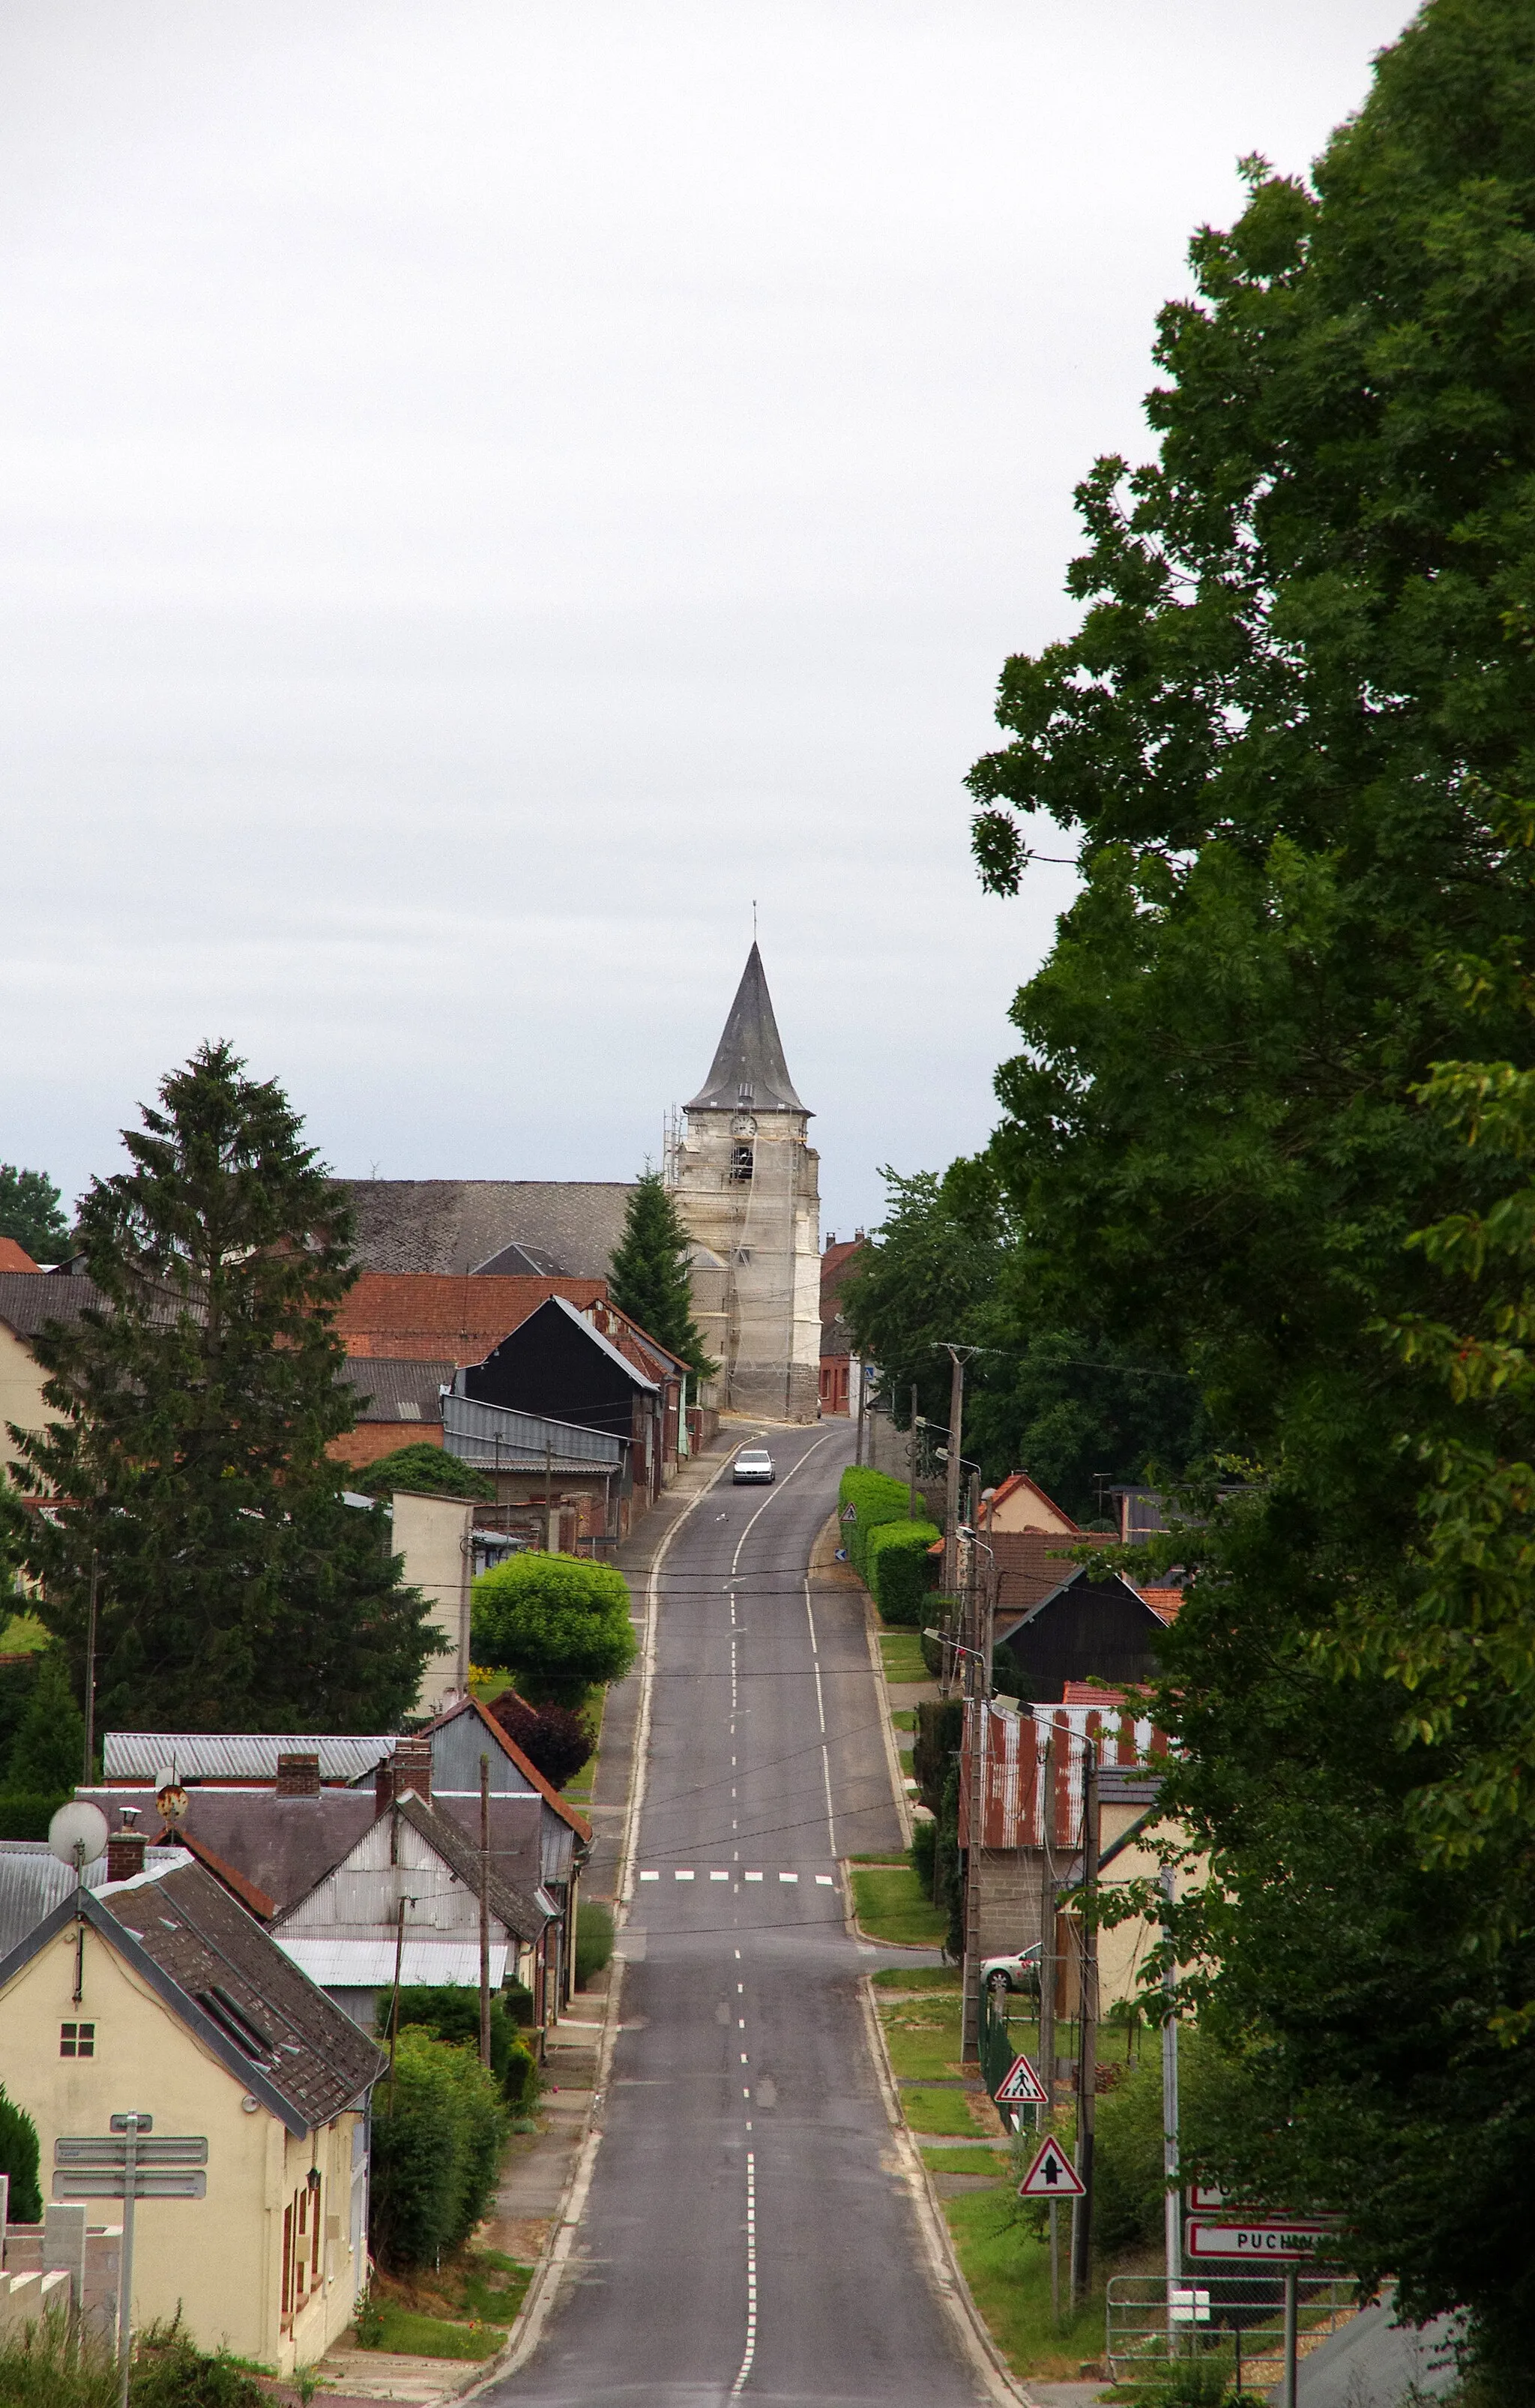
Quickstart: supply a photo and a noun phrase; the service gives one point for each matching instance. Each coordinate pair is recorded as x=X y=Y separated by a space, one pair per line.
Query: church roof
x=749 y=1072
x=461 y=1224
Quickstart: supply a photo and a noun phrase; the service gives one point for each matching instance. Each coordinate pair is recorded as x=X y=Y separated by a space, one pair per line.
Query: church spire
x=749 y=1072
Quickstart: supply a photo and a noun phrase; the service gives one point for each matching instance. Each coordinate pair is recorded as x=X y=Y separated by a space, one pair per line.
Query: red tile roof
x=1164 y=1602
x=428 y=1315
x=14 y=1257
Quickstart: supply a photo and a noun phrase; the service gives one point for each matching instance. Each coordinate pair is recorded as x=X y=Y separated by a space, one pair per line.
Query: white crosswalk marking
x=650 y=1876
x=824 y=1880
x=719 y=1876
x=753 y=1876
x=789 y=1877
x=680 y=1875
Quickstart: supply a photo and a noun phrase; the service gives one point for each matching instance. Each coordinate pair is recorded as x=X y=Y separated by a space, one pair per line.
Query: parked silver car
x=1000 y=1975
x=753 y=1463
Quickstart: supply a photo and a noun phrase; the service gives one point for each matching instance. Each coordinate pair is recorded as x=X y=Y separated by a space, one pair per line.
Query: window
x=77 y=2039
x=740 y=1162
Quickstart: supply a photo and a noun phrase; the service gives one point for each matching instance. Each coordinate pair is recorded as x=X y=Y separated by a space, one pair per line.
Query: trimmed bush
x=925 y=1855
x=594 y=1940
x=18 y=2158
x=875 y=1497
x=556 y=1622
x=901 y=1574
x=437 y=2150
x=26 y=1813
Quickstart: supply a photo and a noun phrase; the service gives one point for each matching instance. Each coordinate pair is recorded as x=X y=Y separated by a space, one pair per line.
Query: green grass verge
x=940 y=2111
x=892 y=1905
x=905 y=1719
x=492 y=2287
x=918 y=1977
x=417 y=2336
x=922 y=2035
x=1009 y=2275
x=967 y=2161
x=901 y=1652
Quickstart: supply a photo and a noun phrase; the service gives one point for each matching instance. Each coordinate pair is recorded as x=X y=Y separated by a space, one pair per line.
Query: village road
x=747 y=2235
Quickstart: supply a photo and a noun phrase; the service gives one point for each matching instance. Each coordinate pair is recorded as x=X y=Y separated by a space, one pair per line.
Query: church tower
x=745 y=1180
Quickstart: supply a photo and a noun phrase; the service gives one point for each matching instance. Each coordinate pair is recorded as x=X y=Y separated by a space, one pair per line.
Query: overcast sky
x=487 y=490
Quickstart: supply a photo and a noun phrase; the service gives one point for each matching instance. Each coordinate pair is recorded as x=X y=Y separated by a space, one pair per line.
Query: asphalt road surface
x=747 y=2235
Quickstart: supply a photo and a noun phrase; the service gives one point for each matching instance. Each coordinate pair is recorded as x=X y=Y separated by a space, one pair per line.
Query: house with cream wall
x=187 y=2011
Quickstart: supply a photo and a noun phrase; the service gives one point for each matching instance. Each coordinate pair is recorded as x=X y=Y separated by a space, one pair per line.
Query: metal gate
x=1231 y=2322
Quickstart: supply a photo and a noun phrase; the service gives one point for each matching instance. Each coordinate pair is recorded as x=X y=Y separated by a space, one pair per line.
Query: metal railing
x=1231 y=2322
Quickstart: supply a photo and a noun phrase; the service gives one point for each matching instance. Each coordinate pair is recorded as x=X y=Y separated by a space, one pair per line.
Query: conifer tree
x=238 y=1590
x=649 y=1276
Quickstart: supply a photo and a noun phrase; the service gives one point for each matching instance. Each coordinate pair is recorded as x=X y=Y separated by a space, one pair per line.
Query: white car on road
x=752 y=1464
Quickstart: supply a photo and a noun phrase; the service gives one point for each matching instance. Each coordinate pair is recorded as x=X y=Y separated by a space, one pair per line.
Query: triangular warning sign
x=1021 y=2087
x=849 y=1514
x=1051 y=2175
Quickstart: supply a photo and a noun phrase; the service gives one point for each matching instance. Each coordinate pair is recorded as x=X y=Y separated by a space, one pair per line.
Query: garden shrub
x=1128 y=2188
x=901 y=1574
x=26 y=1813
x=426 y=1470
x=556 y=1622
x=940 y=1734
x=555 y=1741
x=451 y=2013
x=436 y=2149
x=925 y=1855
x=594 y=1941
x=19 y=2157
x=517 y=1998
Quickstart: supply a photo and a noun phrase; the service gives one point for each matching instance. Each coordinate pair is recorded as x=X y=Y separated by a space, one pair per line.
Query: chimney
x=124 y=1854
x=298 y=1776
x=409 y=1767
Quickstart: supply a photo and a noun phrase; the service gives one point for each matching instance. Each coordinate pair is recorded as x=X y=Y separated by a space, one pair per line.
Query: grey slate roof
x=28 y=1298
x=398 y=1390
x=282 y=1844
x=523 y=1262
x=269 y=2022
x=462 y=1224
x=749 y=1072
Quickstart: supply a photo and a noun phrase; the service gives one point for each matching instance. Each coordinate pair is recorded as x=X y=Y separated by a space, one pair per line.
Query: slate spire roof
x=749 y=1072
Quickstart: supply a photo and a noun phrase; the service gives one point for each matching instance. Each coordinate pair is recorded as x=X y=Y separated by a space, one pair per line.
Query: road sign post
x=1020 y=2086
x=130 y=2165
x=1051 y=2177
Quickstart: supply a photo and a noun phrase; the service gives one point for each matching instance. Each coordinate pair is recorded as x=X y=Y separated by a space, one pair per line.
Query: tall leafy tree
x=1066 y=1404
x=648 y=1277
x=237 y=1591
x=1292 y=736
x=30 y=1213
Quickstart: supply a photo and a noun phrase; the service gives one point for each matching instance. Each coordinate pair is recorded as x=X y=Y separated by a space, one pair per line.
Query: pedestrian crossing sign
x=1051 y=2175
x=849 y=1514
x=1020 y=2086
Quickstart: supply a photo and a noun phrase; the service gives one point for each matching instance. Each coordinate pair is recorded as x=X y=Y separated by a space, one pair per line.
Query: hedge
x=900 y=1569
x=438 y=2131
x=451 y=2013
x=885 y=1547
x=875 y=1497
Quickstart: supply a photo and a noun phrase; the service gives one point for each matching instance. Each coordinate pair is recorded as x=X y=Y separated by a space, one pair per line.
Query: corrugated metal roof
x=33 y=1883
x=370 y=1964
x=497 y=1434
x=397 y=1387
x=239 y=1755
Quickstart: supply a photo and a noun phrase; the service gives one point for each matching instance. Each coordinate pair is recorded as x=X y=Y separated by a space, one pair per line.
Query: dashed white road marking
x=650 y=1876
x=824 y=1880
x=740 y=2384
x=680 y=1875
x=725 y=1876
x=788 y=1877
x=753 y=1876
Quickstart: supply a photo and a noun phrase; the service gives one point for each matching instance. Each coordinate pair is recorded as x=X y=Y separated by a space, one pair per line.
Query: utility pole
x=1082 y=2252
x=484 y=1910
x=979 y=1621
x=863 y=1382
x=911 y=1461
x=958 y=1358
x=551 y=1533
x=1047 y=1994
x=1172 y=2223
x=91 y=1675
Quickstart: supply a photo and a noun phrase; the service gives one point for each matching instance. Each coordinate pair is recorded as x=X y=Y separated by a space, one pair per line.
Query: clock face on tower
x=743 y=1125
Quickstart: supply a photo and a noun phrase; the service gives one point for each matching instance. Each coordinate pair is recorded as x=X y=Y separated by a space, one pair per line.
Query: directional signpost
x=129 y=2165
x=1219 y=2227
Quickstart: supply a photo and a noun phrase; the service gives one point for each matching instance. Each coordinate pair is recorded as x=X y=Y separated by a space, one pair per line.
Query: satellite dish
x=77 y=1833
